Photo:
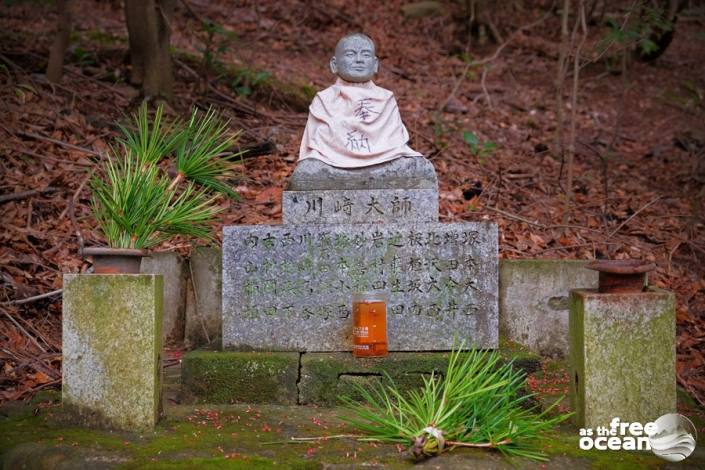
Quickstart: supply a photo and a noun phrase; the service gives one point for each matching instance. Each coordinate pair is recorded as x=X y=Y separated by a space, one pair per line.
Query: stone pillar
x=623 y=356
x=112 y=337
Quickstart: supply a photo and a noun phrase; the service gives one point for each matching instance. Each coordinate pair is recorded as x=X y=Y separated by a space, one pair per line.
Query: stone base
x=623 y=356
x=398 y=191
x=243 y=377
x=112 y=338
x=402 y=173
x=307 y=378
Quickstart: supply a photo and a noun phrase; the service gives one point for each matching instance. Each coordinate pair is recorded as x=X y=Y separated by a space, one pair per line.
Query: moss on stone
x=112 y=334
x=258 y=437
x=231 y=377
x=321 y=373
x=325 y=377
x=521 y=356
x=622 y=356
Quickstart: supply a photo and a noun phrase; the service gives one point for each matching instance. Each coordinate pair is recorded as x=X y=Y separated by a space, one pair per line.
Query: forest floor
x=639 y=163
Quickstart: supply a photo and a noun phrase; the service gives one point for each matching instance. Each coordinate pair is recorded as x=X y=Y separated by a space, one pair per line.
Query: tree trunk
x=149 y=28
x=55 y=68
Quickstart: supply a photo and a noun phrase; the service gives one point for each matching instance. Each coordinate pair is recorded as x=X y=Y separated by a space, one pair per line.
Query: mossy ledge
x=240 y=377
x=309 y=378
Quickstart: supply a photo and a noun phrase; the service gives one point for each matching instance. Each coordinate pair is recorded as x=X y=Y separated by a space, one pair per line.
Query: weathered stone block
x=533 y=301
x=111 y=349
x=233 y=377
x=622 y=355
x=204 y=298
x=172 y=267
x=325 y=377
x=401 y=190
x=361 y=206
x=289 y=287
x=402 y=173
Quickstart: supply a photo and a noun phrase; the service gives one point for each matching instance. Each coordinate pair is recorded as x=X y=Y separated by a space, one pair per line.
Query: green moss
x=257 y=437
x=522 y=357
x=112 y=335
x=49 y=425
x=230 y=377
x=623 y=361
x=234 y=463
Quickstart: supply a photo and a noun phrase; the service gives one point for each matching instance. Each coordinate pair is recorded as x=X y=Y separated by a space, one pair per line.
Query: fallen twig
x=22 y=329
x=76 y=194
x=578 y=245
x=653 y=201
x=60 y=142
x=323 y=438
x=25 y=194
x=32 y=299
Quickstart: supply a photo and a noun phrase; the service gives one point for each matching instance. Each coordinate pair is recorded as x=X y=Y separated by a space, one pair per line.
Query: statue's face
x=354 y=59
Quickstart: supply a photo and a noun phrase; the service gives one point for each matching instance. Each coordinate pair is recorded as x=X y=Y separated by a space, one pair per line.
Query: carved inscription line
x=361 y=240
x=317 y=206
x=449 y=310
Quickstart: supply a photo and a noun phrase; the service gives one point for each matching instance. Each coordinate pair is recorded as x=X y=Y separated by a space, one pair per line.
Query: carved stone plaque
x=289 y=287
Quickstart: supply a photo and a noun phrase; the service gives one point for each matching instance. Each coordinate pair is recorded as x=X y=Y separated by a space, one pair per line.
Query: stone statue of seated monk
x=354 y=137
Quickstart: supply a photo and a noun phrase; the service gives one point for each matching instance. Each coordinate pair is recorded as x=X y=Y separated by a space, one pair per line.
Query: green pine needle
x=135 y=209
x=149 y=143
x=478 y=402
x=202 y=153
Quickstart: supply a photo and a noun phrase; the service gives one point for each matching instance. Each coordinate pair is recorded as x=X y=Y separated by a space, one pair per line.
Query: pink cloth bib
x=353 y=125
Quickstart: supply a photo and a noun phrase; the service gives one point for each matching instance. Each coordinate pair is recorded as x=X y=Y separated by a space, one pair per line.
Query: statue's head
x=355 y=59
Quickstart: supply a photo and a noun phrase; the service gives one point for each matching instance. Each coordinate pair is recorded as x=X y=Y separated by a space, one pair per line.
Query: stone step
x=226 y=377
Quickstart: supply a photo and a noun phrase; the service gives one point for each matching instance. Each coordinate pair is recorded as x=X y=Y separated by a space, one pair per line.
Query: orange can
x=370 y=324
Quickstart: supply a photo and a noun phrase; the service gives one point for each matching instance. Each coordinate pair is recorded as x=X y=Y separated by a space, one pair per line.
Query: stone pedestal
x=402 y=190
x=289 y=287
x=112 y=337
x=623 y=356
